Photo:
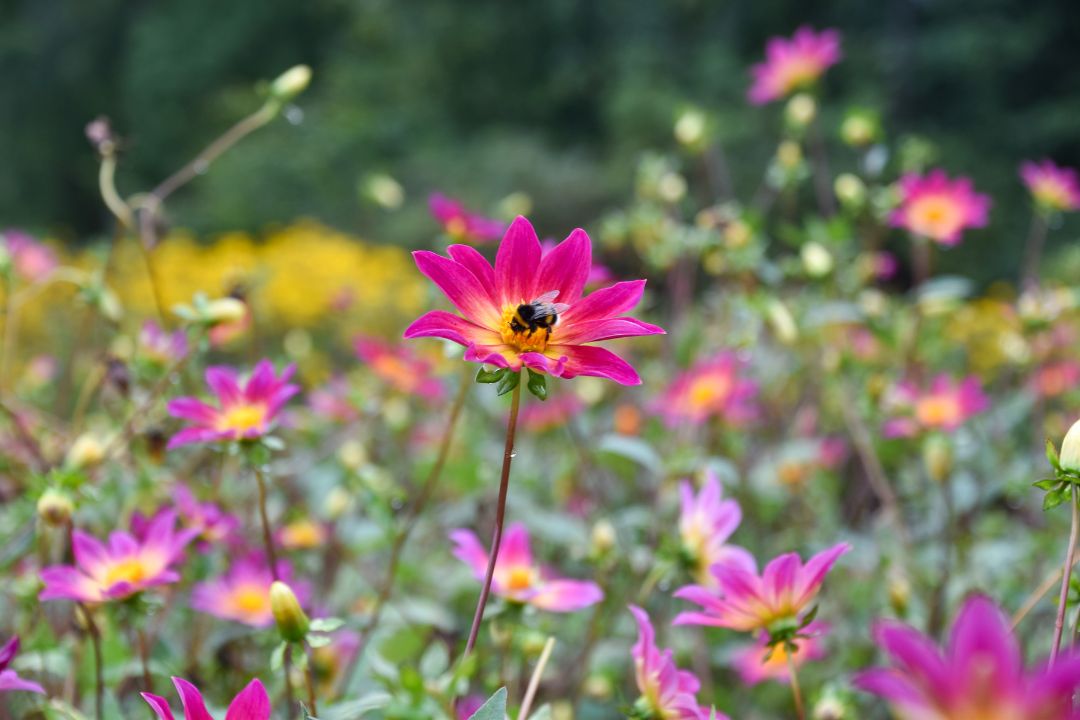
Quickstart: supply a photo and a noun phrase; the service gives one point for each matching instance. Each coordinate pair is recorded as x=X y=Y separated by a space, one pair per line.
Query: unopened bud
x=816 y=259
x=831 y=707
x=801 y=110
x=385 y=191
x=291 y=621
x=85 y=452
x=789 y=154
x=290 y=83
x=690 y=127
x=1069 y=458
x=671 y=187
x=899 y=593
x=55 y=508
x=782 y=322
x=937 y=457
x=598 y=686
x=604 y=537
x=859 y=129
x=850 y=190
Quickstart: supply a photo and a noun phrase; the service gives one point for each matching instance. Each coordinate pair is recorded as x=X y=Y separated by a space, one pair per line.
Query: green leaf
x=1047 y=483
x=1055 y=498
x=538 y=385
x=1052 y=455
x=494 y=708
x=278 y=656
x=508 y=382
x=489 y=376
x=328 y=624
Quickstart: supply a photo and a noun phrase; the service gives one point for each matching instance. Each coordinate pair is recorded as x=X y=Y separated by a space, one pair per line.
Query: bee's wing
x=560 y=308
x=541 y=310
x=547 y=297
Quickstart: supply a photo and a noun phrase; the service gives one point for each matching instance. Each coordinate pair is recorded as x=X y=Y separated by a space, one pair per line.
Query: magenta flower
x=331 y=401
x=979 y=674
x=242 y=594
x=244 y=412
x=706 y=521
x=212 y=524
x=490 y=299
x=399 y=366
x=518 y=578
x=1053 y=188
x=712 y=388
x=251 y=703
x=667 y=692
x=744 y=600
x=9 y=679
x=793 y=64
x=120 y=569
x=935 y=207
x=945 y=405
x=160 y=347
x=462 y=225
x=759 y=662
x=32 y=260
x=1056 y=378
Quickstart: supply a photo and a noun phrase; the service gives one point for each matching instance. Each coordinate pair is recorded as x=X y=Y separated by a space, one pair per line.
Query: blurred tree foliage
x=554 y=98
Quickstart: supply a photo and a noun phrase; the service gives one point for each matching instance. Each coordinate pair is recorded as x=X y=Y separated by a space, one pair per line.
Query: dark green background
x=480 y=98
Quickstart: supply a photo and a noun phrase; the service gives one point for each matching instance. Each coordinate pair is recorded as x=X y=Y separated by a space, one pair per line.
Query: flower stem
x=534 y=681
x=796 y=692
x=99 y=670
x=268 y=538
x=309 y=680
x=286 y=667
x=1059 y=622
x=500 y=515
x=1033 y=251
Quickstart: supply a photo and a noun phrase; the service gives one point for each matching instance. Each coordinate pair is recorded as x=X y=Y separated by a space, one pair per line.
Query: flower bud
x=690 y=127
x=816 y=259
x=782 y=322
x=290 y=83
x=385 y=191
x=1069 y=458
x=850 y=190
x=338 y=502
x=789 y=154
x=937 y=457
x=899 y=593
x=604 y=537
x=291 y=621
x=224 y=310
x=671 y=187
x=831 y=706
x=55 y=508
x=87 y=451
x=801 y=110
x=859 y=129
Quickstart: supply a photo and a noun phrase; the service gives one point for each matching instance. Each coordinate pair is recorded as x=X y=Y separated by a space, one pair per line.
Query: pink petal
x=471 y=259
x=566 y=267
x=441 y=324
x=607 y=302
x=460 y=286
x=89 y=552
x=566 y=595
x=467 y=549
x=191 y=699
x=251 y=704
x=597 y=362
x=159 y=705
x=193 y=409
x=983 y=650
x=517 y=263
x=222 y=380
x=607 y=329
x=515 y=548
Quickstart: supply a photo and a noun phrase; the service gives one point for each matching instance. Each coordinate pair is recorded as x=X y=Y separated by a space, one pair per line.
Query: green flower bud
x=55 y=508
x=801 y=110
x=291 y=621
x=290 y=83
x=937 y=457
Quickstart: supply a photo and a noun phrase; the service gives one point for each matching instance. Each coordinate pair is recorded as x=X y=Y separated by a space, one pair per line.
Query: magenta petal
x=222 y=380
x=490 y=355
x=191 y=698
x=915 y=655
x=892 y=686
x=471 y=259
x=566 y=595
x=566 y=268
x=8 y=652
x=543 y=363
x=189 y=408
x=66 y=583
x=10 y=680
x=251 y=704
x=608 y=329
x=459 y=285
x=467 y=549
x=607 y=302
x=441 y=324
x=597 y=362
x=983 y=649
x=517 y=263
x=159 y=705
x=515 y=548
x=89 y=552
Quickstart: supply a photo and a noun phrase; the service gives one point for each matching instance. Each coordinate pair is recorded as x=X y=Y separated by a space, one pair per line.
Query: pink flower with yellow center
x=9 y=679
x=945 y=405
x=758 y=662
x=935 y=207
x=744 y=600
x=521 y=580
x=251 y=703
x=161 y=347
x=978 y=675
x=528 y=311
x=706 y=521
x=793 y=64
x=667 y=693
x=462 y=225
x=121 y=568
x=712 y=388
x=1057 y=378
x=399 y=366
x=245 y=411
x=1052 y=187
x=332 y=402
x=243 y=593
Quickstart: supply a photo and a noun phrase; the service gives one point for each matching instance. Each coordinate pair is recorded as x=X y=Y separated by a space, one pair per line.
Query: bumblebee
x=539 y=314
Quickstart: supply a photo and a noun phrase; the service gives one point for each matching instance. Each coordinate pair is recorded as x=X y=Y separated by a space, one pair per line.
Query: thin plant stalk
x=796 y=691
x=1029 y=278
x=534 y=681
x=99 y=669
x=1037 y=594
x=268 y=537
x=309 y=681
x=286 y=667
x=500 y=516
x=1059 y=622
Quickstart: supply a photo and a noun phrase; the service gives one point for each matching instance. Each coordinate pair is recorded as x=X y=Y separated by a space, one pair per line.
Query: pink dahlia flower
x=491 y=301
x=759 y=662
x=462 y=225
x=978 y=674
x=521 y=580
x=793 y=64
x=706 y=521
x=945 y=405
x=120 y=569
x=242 y=594
x=666 y=691
x=160 y=347
x=32 y=260
x=251 y=703
x=332 y=401
x=1052 y=187
x=1057 y=378
x=938 y=208
x=745 y=600
x=9 y=679
x=713 y=387
x=244 y=412
x=399 y=366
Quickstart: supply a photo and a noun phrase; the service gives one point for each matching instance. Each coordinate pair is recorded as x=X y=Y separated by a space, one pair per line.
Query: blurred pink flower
x=161 y=347
x=793 y=64
x=32 y=260
x=9 y=679
x=938 y=208
x=945 y=405
x=402 y=368
x=243 y=413
x=706 y=521
x=551 y=415
x=331 y=401
x=462 y=225
x=518 y=578
x=467 y=706
x=490 y=300
x=712 y=388
x=1056 y=378
x=1052 y=187
x=242 y=594
x=251 y=703
x=744 y=600
x=666 y=691
x=758 y=662
x=979 y=674
x=832 y=451
x=120 y=569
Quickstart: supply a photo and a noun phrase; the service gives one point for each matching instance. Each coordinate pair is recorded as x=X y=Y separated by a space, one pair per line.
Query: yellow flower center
x=1051 y=194
x=520 y=578
x=130 y=570
x=709 y=391
x=798 y=72
x=302 y=534
x=938 y=411
x=456 y=226
x=396 y=371
x=251 y=600
x=241 y=418
x=528 y=339
x=935 y=216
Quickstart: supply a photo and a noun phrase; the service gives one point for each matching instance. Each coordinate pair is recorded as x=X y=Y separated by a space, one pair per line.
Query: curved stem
x=99 y=670
x=500 y=516
x=268 y=537
x=796 y=692
x=107 y=185
x=1059 y=622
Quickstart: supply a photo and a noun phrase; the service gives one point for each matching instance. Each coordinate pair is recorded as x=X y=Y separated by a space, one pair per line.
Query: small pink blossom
x=712 y=388
x=551 y=415
x=945 y=405
x=793 y=64
x=935 y=207
x=332 y=401
x=521 y=580
x=1053 y=188
x=462 y=225
x=160 y=347
x=1056 y=378
x=251 y=703
x=706 y=522
x=759 y=662
x=242 y=594
x=401 y=367
x=32 y=260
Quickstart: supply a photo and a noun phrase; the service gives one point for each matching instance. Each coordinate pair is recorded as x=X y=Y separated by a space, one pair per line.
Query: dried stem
x=534 y=681
x=1059 y=622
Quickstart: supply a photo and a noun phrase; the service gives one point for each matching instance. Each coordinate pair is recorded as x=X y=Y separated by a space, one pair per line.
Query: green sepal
x=507 y=382
x=1055 y=497
x=538 y=385
x=1052 y=455
x=487 y=377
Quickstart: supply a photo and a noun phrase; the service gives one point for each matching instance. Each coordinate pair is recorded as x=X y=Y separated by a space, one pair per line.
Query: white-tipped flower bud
x=55 y=508
x=1069 y=458
x=290 y=83
x=801 y=110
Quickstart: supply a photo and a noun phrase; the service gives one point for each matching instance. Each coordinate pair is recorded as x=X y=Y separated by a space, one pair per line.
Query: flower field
x=711 y=452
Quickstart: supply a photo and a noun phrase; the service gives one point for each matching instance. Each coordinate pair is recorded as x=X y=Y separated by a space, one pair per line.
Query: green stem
x=268 y=537
x=1063 y=598
x=796 y=692
x=99 y=669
